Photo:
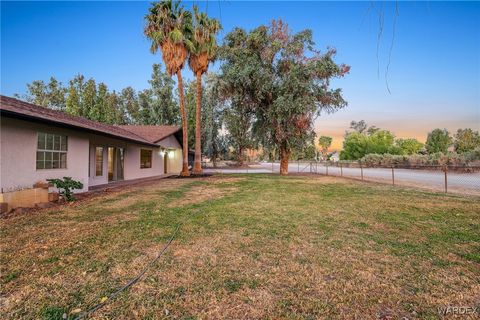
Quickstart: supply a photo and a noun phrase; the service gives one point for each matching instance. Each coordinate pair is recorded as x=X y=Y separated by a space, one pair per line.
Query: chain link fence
x=439 y=178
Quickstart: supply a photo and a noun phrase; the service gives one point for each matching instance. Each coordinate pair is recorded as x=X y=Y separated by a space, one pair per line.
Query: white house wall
x=175 y=160
x=19 y=152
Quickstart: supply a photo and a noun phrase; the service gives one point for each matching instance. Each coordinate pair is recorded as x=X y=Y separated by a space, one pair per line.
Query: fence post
x=361 y=169
x=326 y=166
x=272 y=165
x=445 y=169
x=298 y=166
x=393 y=176
x=341 y=170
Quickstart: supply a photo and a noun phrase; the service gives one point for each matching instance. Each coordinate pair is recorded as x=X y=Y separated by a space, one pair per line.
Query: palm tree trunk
x=185 y=172
x=197 y=167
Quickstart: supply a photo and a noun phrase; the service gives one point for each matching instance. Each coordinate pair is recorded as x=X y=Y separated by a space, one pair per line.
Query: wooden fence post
x=393 y=176
x=445 y=169
x=341 y=170
x=361 y=169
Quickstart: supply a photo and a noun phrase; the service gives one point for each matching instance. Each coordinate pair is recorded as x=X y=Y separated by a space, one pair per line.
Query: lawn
x=249 y=246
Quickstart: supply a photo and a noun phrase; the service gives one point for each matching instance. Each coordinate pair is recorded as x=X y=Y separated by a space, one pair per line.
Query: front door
x=115 y=163
x=165 y=162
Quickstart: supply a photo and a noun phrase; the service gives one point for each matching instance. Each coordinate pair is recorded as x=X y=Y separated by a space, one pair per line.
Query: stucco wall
x=175 y=161
x=174 y=154
x=170 y=142
x=132 y=163
x=18 y=155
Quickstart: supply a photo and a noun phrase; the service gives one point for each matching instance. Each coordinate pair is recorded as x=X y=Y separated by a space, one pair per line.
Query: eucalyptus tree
x=163 y=105
x=169 y=27
x=73 y=104
x=283 y=80
x=213 y=140
x=88 y=97
x=99 y=110
x=51 y=95
x=203 y=52
x=129 y=105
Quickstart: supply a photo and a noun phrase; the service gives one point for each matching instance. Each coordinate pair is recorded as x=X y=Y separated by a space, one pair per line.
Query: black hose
x=131 y=282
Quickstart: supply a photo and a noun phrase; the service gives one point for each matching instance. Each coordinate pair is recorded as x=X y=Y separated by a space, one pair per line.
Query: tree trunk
x=240 y=157
x=197 y=167
x=185 y=172
x=284 y=156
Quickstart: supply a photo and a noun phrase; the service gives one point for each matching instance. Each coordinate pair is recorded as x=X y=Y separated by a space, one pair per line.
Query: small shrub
x=372 y=160
x=65 y=187
x=418 y=160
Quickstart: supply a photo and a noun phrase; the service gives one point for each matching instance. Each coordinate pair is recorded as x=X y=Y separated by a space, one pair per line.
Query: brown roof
x=21 y=109
x=152 y=134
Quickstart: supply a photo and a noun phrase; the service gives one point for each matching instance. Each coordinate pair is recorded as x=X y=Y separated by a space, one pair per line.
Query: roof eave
x=16 y=115
x=171 y=134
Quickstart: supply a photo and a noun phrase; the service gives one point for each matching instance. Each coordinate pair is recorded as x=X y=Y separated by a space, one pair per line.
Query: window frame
x=143 y=165
x=97 y=148
x=52 y=151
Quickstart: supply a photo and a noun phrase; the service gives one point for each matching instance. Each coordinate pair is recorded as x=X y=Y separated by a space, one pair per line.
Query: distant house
x=334 y=156
x=38 y=143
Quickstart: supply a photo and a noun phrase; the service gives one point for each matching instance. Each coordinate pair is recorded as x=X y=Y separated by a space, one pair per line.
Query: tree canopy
x=92 y=100
x=282 y=81
x=409 y=146
x=466 y=140
x=365 y=140
x=324 y=142
x=438 y=140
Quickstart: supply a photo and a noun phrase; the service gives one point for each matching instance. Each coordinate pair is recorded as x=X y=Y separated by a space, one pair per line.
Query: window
x=145 y=158
x=99 y=161
x=51 y=151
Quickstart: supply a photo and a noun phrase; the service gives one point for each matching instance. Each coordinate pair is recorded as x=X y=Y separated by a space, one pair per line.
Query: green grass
x=250 y=246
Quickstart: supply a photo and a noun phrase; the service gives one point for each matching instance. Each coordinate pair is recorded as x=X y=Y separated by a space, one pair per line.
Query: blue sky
x=434 y=73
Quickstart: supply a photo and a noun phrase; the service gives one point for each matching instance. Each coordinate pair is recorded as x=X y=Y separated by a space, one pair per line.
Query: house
x=37 y=143
x=334 y=156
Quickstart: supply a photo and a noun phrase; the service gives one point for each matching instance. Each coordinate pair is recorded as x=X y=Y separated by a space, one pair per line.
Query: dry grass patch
x=250 y=247
x=198 y=194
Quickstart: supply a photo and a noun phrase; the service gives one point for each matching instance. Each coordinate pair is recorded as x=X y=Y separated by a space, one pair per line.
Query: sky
x=429 y=54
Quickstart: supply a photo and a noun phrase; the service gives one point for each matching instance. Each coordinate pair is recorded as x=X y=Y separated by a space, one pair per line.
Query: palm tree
x=169 y=27
x=202 y=53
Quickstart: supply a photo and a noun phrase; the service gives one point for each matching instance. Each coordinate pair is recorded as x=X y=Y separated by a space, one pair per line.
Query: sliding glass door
x=115 y=163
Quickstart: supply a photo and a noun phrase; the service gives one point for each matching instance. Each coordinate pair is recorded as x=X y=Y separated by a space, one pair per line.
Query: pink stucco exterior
x=18 y=146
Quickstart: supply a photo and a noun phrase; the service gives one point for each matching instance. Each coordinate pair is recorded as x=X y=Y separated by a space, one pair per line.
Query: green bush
x=65 y=187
